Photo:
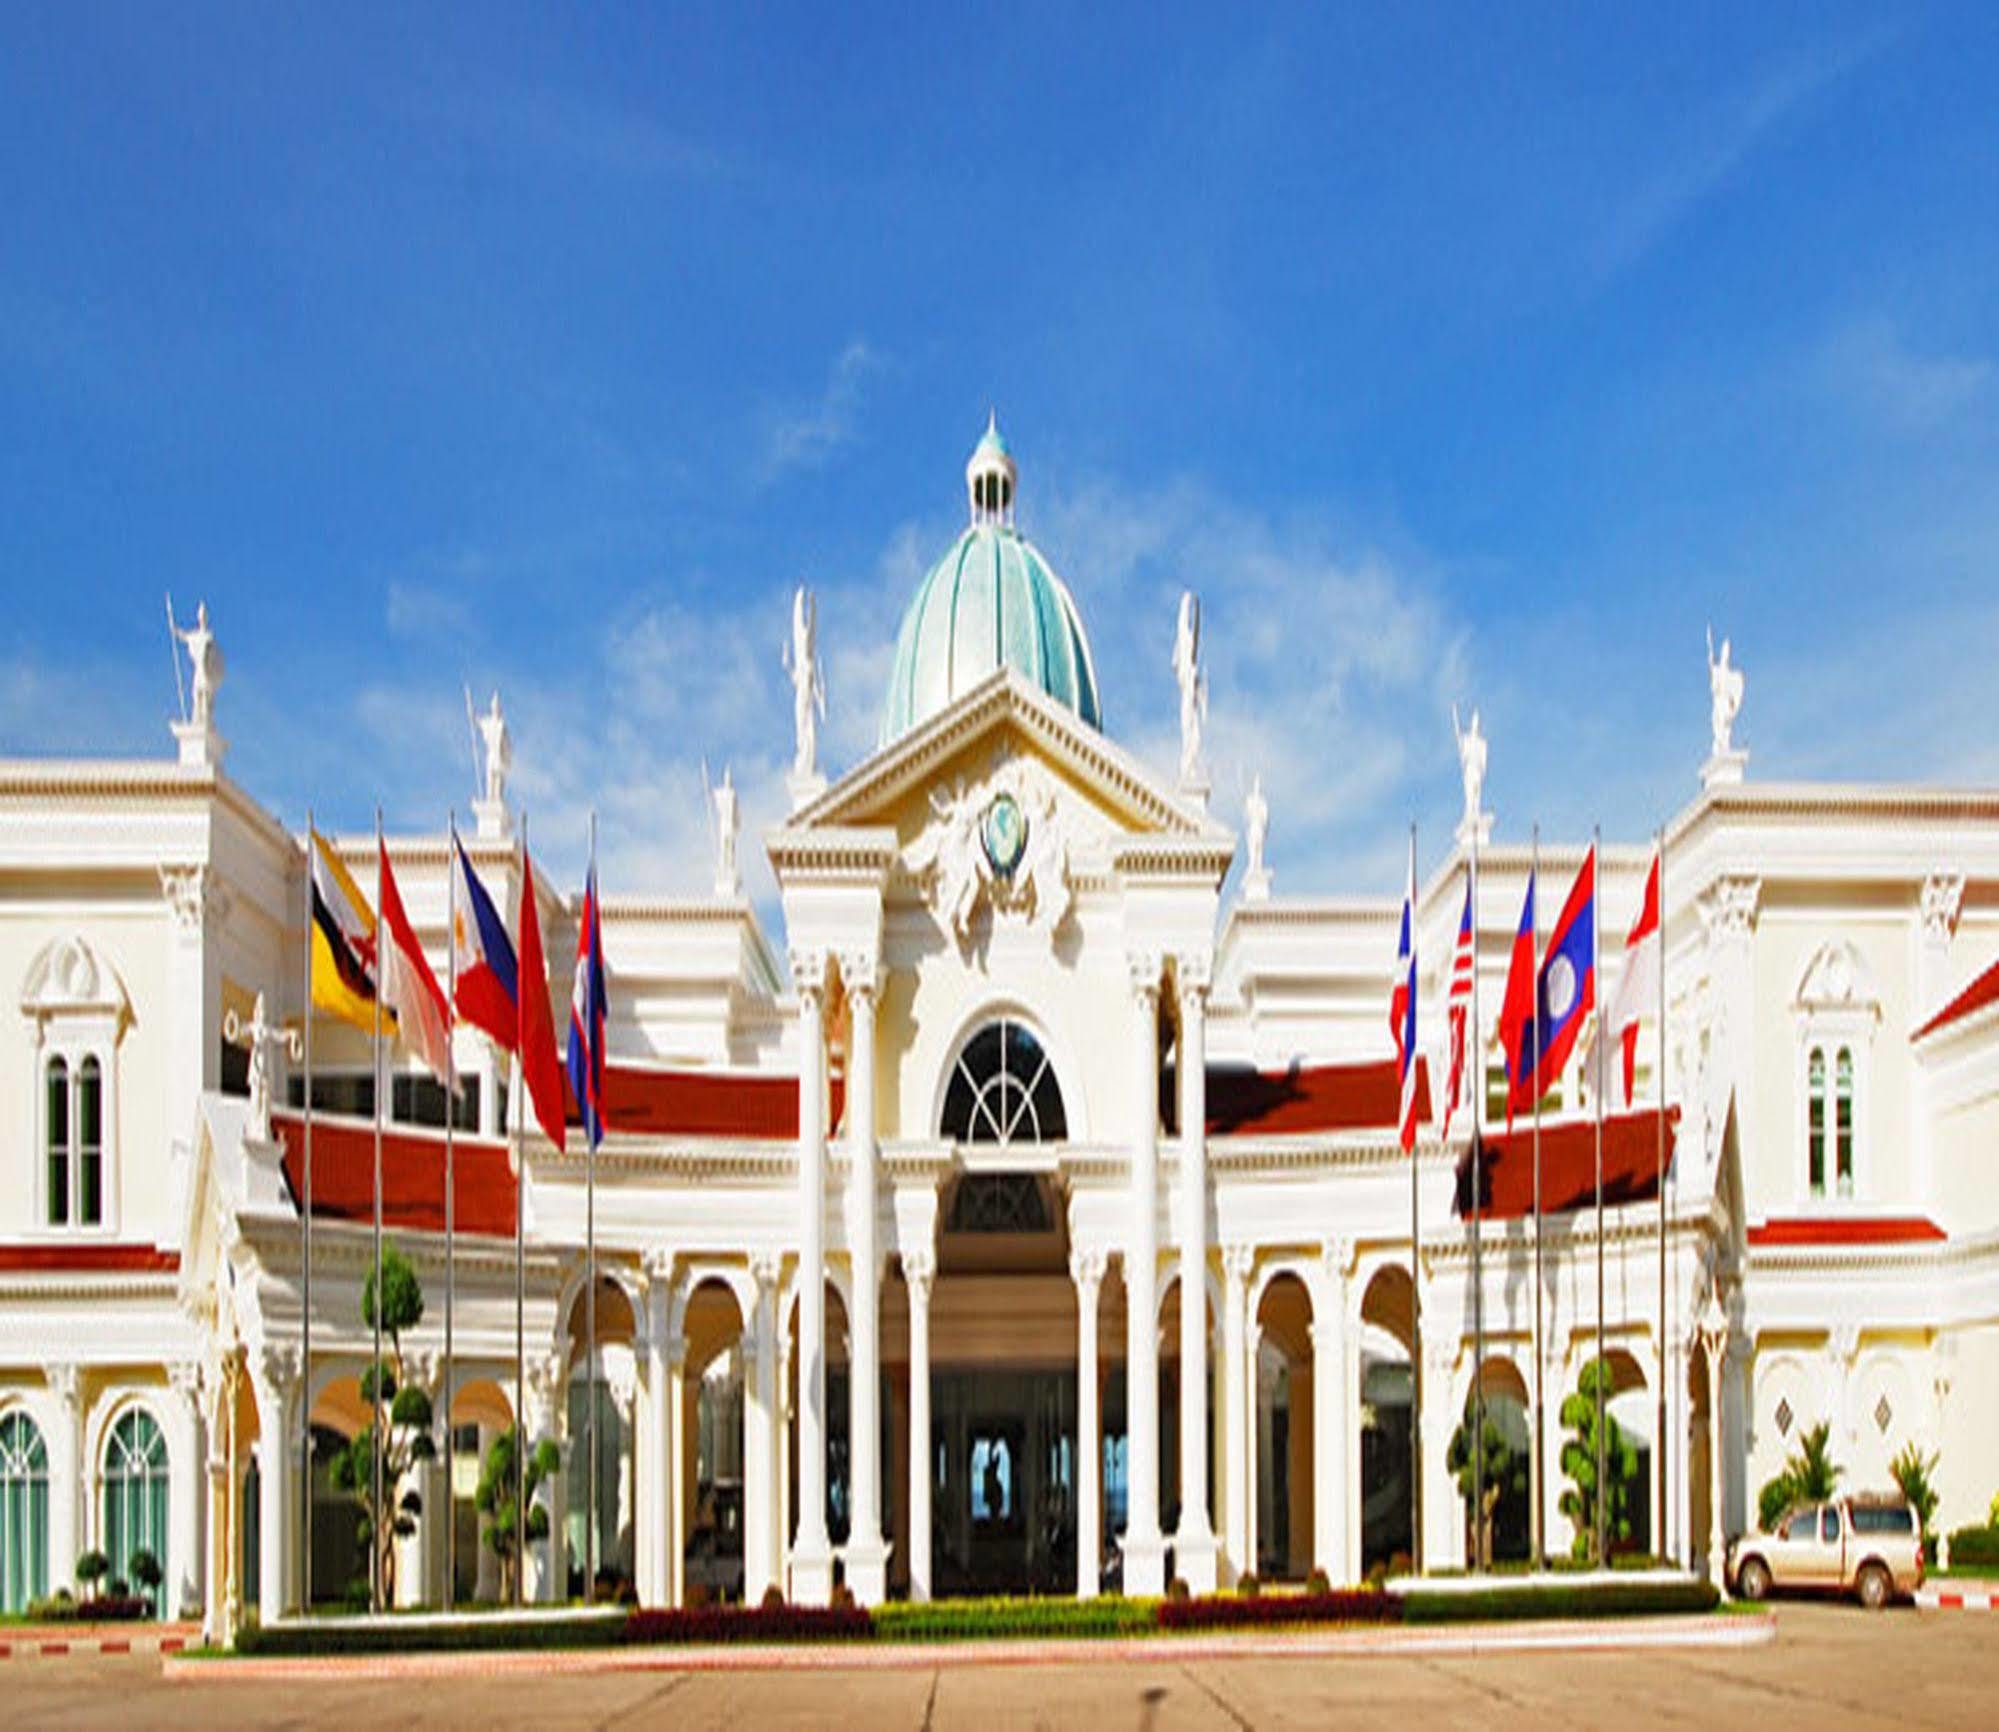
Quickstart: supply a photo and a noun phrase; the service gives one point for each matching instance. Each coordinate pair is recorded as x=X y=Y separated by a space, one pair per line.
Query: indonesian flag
x=1638 y=985
x=1457 y=1012
x=1402 y=1012
x=541 y=1066
x=409 y=988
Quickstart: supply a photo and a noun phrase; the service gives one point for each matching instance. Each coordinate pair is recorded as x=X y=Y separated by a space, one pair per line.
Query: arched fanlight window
x=135 y=1492
x=24 y=1513
x=1003 y=1090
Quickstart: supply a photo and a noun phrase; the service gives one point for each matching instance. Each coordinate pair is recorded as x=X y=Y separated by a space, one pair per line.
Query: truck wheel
x=1752 y=1581
x=1873 y=1587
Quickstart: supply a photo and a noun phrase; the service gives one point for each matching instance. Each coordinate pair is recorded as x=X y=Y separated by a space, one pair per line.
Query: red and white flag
x=1457 y=1014
x=409 y=988
x=1638 y=985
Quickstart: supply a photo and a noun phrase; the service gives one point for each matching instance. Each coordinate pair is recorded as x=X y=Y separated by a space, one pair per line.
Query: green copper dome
x=992 y=601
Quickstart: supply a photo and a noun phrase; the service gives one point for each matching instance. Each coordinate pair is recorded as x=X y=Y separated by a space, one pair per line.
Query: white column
x=657 y=1530
x=1086 y=1269
x=1443 y=1509
x=811 y=1551
x=1238 y=1405
x=184 y=1513
x=867 y=1556
x=676 y=1468
x=1335 y=1510
x=919 y=1269
x=67 y=1492
x=1194 y=1549
x=1144 y=1547
x=277 y=1456
x=761 y=1435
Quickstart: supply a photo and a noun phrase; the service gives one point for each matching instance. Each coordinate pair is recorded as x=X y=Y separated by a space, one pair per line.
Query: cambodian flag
x=588 y=1006
x=488 y=974
x=1567 y=987
x=1402 y=1012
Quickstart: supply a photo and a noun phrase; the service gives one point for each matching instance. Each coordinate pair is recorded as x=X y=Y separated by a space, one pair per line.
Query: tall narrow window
x=58 y=1142
x=135 y=1493
x=1815 y=1129
x=1845 y=1121
x=90 y=1143
x=24 y=1513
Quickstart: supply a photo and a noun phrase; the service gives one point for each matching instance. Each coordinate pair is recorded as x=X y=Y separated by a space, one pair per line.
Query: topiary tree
x=145 y=1572
x=1912 y=1470
x=497 y=1500
x=1810 y=1475
x=92 y=1568
x=406 y=1437
x=1579 y=1461
x=1504 y=1475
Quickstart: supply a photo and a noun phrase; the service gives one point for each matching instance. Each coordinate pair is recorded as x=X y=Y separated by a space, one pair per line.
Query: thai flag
x=588 y=1006
x=1566 y=990
x=1457 y=1011
x=1402 y=1011
x=488 y=973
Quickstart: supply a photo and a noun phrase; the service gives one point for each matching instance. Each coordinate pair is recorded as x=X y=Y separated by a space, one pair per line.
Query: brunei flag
x=344 y=960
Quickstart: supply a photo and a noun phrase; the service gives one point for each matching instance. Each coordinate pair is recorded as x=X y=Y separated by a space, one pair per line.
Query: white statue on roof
x=1725 y=695
x=808 y=686
x=1193 y=687
x=1256 y=825
x=259 y=1035
x=1476 y=822
x=499 y=752
x=725 y=822
x=206 y=660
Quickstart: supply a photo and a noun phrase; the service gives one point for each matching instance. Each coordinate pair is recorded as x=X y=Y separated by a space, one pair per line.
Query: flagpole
x=1475 y=1084
x=1540 y=1344
x=1602 y=1369
x=590 y=1247
x=1415 y=1285
x=375 y=1529
x=450 y=1208
x=305 y=1235
x=521 y=1285
x=1663 y=1532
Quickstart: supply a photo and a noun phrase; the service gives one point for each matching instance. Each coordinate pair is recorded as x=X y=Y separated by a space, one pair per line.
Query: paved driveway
x=1829 y=1667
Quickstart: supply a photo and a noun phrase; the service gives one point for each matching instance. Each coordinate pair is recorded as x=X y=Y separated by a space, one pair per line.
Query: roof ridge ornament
x=991 y=477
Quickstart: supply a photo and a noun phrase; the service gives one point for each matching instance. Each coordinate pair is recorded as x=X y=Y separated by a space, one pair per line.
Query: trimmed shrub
x=1247 y=1585
x=91 y=1568
x=56 y=1608
x=779 y=1623
x=388 y=1636
x=1503 y=1603
x=1974 y=1546
x=1176 y=1589
x=121 y=1608
x=983 y=1620
x=1318 y=1583
x=1350 y=1606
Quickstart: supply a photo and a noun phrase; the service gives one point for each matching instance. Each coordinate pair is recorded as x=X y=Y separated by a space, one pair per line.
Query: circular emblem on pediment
x=1003 y=834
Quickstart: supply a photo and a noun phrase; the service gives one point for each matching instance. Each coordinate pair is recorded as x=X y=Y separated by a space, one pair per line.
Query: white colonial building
x=1029 y=1218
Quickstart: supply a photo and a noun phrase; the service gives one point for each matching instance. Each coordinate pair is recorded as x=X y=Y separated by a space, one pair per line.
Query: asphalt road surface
x=1830 y=1666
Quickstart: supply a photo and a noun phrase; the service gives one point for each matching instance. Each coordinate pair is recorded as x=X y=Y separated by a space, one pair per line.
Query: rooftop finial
x=990 y=476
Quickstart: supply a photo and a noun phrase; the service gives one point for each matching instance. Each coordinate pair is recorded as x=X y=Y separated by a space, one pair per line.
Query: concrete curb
x=1958 y=1599
x=1372 y=1643
x=57 y=1641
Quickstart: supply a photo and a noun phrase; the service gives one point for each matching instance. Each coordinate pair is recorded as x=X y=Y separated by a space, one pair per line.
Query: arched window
x=135 y=1493
x=58 y=1142
x=24 y=1513
x=1815 y=1130
x=89 y=1143
x=1003 y=1090
x=1843 y=1123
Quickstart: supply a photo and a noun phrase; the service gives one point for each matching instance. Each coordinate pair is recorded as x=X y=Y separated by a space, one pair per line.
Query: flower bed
x=1265 y=1611
x=1974 y=1547
x=776 y=1623
x=983 y=1620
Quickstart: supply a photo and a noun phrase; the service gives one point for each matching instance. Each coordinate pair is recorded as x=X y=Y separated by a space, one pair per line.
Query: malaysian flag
x=1457 y=1013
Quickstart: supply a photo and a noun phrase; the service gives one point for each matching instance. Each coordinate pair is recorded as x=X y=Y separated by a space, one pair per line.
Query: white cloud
x=1872 y=366
x=805 y=437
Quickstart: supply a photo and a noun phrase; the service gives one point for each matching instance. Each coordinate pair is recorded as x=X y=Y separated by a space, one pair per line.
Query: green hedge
x=1557 y=1600
x=1979 y=1545
x=391 y=1636
x=981 y=1620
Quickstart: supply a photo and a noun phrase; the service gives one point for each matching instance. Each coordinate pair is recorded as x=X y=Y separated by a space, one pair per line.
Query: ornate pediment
x=1003 y=839
x=70 y=977
x=1837 y=978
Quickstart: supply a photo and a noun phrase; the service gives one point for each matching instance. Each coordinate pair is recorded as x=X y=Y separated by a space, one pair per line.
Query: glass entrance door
x=1003 y=1487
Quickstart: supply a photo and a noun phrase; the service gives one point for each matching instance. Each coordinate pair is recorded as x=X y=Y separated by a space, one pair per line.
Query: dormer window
x=80 y=1012
x=1837 y=1010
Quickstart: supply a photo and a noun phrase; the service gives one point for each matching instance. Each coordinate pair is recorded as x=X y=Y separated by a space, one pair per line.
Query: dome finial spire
x=990 y=476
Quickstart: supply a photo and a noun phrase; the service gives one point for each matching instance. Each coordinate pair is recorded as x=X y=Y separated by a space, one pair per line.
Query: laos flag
x=1566 y=991
x=588 y=1006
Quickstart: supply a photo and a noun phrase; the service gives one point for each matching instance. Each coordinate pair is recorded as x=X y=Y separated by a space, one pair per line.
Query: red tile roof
x=1847 y=1230
x=88 y=1259
x=1568 y=1165
x=1309 y=1098
x=698 y=1103
x=343 y=1176
x=1982 y=991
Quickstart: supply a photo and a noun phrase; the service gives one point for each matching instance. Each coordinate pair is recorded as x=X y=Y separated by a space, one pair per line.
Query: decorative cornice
x=1729 y=908
x=196 y=897
x=1942 y=900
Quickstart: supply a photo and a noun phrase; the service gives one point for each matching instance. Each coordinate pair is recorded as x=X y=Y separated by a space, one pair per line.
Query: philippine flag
x=1567 y=987
x=1402 y=1012
x=488 y=987
x=588 y=1004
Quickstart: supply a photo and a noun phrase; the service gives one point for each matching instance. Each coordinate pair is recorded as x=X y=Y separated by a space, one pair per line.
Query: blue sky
x=1449 y=356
